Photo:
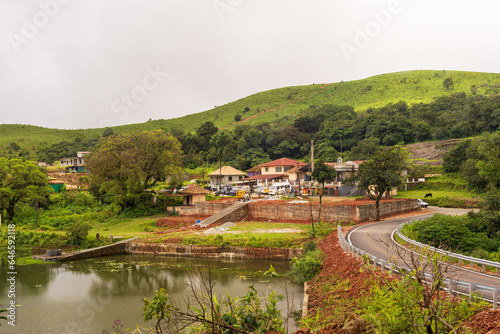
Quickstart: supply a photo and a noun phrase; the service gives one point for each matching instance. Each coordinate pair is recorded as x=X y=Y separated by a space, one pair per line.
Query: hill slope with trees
x=403 y=107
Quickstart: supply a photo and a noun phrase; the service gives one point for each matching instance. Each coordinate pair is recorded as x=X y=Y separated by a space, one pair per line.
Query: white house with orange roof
x=279 y=170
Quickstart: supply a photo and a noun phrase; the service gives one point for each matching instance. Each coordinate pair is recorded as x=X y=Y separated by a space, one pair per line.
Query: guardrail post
x=390 y=269
x=472 y=288
x=495 y=298
x=484 y=268
x=450 y=286
x=382 y=265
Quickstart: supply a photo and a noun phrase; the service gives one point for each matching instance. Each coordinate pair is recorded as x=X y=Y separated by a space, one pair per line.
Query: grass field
x=127 y=228
x=435 y=193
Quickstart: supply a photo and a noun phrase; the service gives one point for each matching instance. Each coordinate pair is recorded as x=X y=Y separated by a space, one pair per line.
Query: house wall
x=225 y=179
x=274 y=170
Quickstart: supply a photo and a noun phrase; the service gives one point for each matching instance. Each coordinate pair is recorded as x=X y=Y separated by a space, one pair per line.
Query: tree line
x=339 y=128
x=333 y=128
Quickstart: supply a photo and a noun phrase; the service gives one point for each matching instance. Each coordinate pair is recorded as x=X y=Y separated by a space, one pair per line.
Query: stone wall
x=211 y=208
x=303 y=211
x=115 y=249
x=367 y=211
x=213 y=251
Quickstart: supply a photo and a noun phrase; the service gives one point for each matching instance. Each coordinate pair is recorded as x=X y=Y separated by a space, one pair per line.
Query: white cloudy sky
x=88 y=63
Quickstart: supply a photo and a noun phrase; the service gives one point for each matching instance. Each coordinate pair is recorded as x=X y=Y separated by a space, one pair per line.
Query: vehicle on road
x=422 y=204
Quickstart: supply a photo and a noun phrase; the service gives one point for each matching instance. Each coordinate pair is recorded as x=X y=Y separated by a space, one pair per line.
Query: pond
x=86 y=296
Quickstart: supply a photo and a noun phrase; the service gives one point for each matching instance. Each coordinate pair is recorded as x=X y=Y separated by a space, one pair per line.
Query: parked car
x=422 y=204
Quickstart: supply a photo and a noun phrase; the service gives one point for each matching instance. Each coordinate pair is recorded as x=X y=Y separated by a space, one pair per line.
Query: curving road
x=376 y=239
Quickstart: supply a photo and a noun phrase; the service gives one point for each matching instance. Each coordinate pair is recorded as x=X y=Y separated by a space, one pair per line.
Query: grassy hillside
x=412 y=87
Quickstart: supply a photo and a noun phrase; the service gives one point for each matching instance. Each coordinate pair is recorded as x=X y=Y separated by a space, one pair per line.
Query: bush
x=33 y=238
x=320 y=229
x=455 y=202
x=77 y=233
x=306 y=267
x=85 y=199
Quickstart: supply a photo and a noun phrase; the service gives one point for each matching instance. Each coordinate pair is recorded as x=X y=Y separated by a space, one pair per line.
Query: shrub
x=306 y=267
x=85 y=199
x=77 y=233
x=320 y=229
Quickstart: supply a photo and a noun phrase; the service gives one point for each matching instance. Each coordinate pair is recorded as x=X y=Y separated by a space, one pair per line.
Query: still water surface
x=86 y=296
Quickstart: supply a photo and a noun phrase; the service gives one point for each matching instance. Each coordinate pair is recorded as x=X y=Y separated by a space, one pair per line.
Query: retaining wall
x=118 y=248
x=213 y=251
x=303 y=211
x=367 y=211
x=211 y=208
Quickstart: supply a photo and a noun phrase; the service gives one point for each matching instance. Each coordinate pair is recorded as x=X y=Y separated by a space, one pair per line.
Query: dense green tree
x=203 y=135
x=448 y=83
x=454 y=158
x=65 y=148
x=220 y=144
x=382 y=173
x=125 y=166
x=19 y=180
x=366 y=148
x=108 y=132
x=322 y=173
x=489 y=161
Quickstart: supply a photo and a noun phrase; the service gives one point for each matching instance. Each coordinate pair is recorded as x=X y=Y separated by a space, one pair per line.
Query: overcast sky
x=94 y=63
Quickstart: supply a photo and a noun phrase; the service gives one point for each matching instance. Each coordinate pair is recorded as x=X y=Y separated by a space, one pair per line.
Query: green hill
x=412 y=87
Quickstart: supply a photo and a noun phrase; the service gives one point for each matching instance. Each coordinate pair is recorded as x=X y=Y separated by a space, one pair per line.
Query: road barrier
x=485 y=292
x=459 y=257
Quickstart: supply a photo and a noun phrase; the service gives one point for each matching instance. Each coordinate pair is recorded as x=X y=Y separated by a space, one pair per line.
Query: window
x=230 y=178
x=279 y=169
x=266 y=169
x=240 y=178
x=285 y=169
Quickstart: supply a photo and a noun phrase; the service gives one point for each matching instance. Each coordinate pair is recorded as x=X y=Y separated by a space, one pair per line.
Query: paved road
x=376 y=239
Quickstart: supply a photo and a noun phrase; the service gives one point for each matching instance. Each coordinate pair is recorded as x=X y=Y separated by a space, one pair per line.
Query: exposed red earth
x=341 y=266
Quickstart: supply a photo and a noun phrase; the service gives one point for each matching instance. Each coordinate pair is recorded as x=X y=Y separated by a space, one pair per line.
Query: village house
x=226 y=175
x=75 y=164
x=279 y=170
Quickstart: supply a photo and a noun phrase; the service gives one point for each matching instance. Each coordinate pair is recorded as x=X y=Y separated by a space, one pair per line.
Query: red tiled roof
x=356 y=162
x=283 y=162
x=194 y=190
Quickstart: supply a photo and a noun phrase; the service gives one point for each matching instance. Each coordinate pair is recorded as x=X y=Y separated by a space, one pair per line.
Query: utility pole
x=37 y=213
x=341 y=147
x=312 y=156
x=298 y=176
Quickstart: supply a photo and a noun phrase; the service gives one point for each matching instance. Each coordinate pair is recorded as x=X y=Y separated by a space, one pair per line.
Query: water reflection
x=85 y=296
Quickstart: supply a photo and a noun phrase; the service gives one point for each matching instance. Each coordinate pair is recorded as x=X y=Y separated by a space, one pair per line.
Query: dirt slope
x=433 y=151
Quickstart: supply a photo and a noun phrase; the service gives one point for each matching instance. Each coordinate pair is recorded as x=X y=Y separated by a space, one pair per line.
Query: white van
x=279 y=188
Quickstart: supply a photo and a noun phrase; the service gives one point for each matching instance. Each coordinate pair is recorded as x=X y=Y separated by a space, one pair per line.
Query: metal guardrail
x=459 y=257
x=456 y=286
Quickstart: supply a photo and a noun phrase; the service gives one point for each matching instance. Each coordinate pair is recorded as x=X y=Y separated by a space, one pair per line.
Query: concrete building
x=75 y=164
x=226 y=175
